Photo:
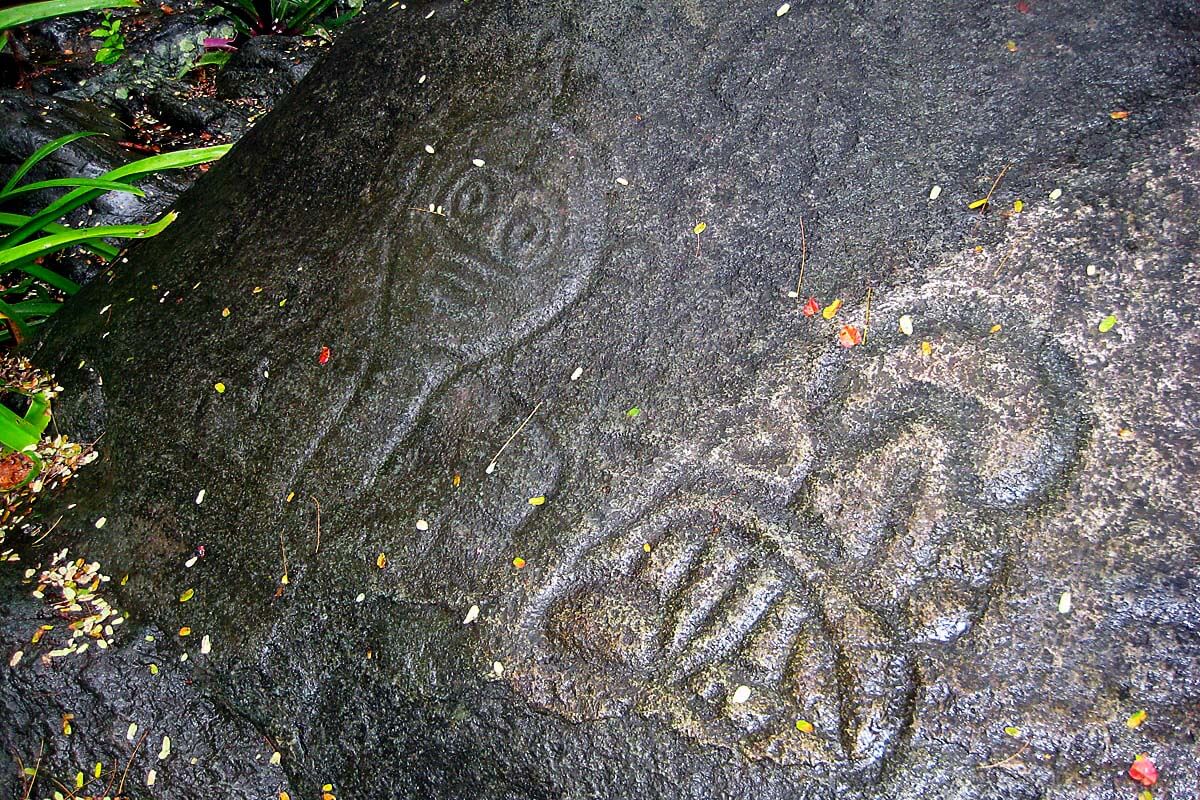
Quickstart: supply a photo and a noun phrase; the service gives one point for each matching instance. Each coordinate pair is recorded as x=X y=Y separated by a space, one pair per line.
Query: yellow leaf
x=804 y=726
x=381 y=561
x=257 y=289
x=290 y=497
x=978 y=203
x=1013 y=730
x=996 y=328
x=646 y=547
x=1119 y=114
x=96 y=770
x=1018 y=206
x=78 y=780
x=700 y=228
x=220 y=387
x=537 y=501
x=1136 y=719
x=154 y=669
x=284 y=796
x=225 y=312
x=327 y=787
x=187 y=595
x=185 y=631
x=1011 y=45
x=927 y=349
x=519 y=562
x=831 y=309
x=456 y=480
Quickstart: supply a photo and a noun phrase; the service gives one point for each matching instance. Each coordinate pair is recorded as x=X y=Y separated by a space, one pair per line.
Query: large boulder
x=487 y=471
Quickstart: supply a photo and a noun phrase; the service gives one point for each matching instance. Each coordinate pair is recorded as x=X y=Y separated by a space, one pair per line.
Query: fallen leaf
x=220 y=387
x=1011 y=46
x=323 y=358
x=996 y=328
x=1136 y=719
x=1022 y=6
x=1107 y=323
x=519 y=562
x=381 y=560
x=980 y=203
x=906 y=325
x=188 y=594
x=849 y=336
x=926 y=349
x=1119 y=114
x=811 y=307
x=456 y=480
x=185 y=631
x=700 y=228
x=1144 y=770
x=1018 y=206
x=804 y=726
x=831 y=309
x=537 y=501
x=225 y=312
x=1013 y=730
x=633 y=412
x=1064 y=602
x=740 y=695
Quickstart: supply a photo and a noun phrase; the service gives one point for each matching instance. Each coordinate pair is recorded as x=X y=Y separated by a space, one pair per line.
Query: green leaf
x=129 y=172
x=41 y=153
x=1107 y=323
x=99 y=248
x=59 y=183
x=633 y=412
x=36 y=12
x=14 y=257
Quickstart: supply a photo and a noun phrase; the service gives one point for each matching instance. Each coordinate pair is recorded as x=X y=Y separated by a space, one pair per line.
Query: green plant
x=31 y=237
x=285 y=17
x=37 y=12
x=113 y=45
x=216 y=58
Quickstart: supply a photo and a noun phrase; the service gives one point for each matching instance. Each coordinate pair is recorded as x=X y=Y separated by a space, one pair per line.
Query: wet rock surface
x=746 y=525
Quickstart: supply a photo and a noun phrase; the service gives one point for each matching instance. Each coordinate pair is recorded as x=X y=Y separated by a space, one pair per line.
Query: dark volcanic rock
x=873 y=540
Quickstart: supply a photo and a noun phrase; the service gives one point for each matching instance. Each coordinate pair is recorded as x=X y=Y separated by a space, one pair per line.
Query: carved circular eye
x=525 y=234
x=473 y=197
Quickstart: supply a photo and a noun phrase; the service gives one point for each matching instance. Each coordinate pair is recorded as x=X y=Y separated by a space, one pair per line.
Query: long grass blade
x=20 y=332
x=12 y=257
x=36 y=12
x=137 y=169
x=68 y=183
x=99 y=248
x=41 y=153
x=47 y=276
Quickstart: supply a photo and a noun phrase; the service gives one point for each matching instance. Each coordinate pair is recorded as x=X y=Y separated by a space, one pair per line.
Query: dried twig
x=987 y=200
x=867 y=318
x=803 y=258
x=1006 y=761
x=317 y=503
x=36 y=766
x=492 y=464
x=283 y=555
x=129 y=763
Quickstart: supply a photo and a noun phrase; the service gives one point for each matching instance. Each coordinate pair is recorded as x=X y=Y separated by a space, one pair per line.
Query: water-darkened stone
x=872 y=540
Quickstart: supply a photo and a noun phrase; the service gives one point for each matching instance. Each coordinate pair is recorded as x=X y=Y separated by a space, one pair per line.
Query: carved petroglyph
x=850 y=512
x=506 y=251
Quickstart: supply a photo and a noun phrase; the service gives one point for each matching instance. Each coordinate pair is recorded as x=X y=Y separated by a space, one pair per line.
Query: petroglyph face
x=485 y=233
x=842 y=519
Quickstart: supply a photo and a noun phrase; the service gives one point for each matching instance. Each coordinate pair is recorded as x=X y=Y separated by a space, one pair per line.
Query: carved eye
x=473 y=197
x=525 y=234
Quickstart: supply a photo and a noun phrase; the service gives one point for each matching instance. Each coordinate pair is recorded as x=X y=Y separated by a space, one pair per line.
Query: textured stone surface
x=872 y=540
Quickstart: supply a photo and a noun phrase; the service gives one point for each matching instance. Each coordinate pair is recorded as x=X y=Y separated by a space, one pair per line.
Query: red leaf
x=1022 y=6
x=811 y=307
x=849 y=336
x=324 y=357
x=1143 y=771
